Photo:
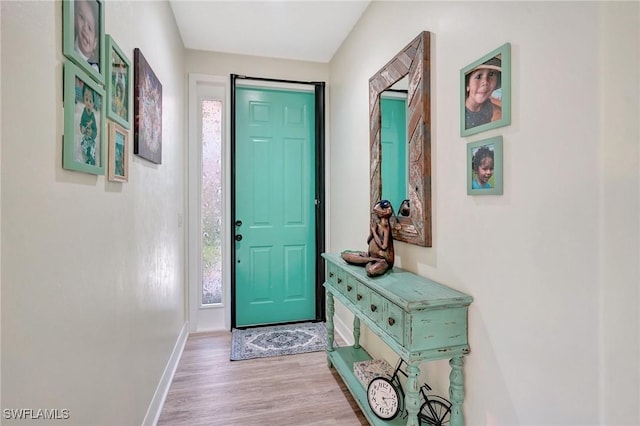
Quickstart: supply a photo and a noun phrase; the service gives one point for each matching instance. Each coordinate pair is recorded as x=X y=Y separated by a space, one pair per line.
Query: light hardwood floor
x=291 y=390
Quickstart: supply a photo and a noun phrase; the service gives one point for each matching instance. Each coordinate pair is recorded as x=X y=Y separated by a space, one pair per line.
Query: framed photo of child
x=118 y=167
x=485 y=92
x=83 y=36
x=84 y=122
x=484 y=167
x=118 y=84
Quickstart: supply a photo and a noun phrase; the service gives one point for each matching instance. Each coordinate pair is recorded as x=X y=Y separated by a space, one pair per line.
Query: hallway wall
x=92 y=271
x=553 y=263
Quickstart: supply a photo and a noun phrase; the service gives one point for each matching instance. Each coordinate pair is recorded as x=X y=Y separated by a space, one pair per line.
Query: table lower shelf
x=342 y=359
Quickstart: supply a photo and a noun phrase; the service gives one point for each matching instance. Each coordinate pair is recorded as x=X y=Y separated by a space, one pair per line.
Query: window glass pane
x=211 y=196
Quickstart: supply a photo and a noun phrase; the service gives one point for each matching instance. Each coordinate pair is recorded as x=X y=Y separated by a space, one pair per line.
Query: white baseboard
x=157 y=402
x=345 y=331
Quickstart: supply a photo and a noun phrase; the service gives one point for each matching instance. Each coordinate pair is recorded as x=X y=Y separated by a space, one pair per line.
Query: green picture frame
x=483 y=154
x=118 y=84
x=84 y=122
x=481 y=110
x=83 y=40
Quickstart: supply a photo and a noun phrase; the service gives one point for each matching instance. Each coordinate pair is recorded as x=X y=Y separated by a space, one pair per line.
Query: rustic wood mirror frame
x=412 y=61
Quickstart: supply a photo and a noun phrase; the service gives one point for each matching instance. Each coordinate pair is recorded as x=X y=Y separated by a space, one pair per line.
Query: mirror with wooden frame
x=414 y=226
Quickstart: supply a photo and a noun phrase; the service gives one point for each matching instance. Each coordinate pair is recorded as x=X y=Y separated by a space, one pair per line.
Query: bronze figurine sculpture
x=379 y=259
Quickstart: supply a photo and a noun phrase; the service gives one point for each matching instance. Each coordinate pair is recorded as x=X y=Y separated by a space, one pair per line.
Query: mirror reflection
x=394 y=156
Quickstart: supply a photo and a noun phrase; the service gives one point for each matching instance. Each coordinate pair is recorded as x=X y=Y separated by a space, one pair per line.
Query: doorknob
x=238 y=237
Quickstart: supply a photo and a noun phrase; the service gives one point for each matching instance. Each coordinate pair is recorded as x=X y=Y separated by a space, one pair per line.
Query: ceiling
x=305 y=30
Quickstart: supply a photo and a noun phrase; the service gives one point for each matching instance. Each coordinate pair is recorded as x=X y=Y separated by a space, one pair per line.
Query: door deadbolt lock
x=238 y=223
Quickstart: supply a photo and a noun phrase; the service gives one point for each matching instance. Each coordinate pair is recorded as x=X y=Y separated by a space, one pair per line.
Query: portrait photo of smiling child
x=485 y=92
x=83 y=35
x=484 y=167
x=483 y=103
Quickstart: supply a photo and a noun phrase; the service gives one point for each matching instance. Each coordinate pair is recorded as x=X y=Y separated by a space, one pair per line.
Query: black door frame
x=319 y=89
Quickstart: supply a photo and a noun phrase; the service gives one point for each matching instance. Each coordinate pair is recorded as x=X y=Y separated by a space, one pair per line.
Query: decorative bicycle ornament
x=386 y=399
x=435 y=410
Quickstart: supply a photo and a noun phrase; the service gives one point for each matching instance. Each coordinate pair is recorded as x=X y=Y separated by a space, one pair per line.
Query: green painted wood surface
x=418 y=318
x=343 y=360
x=275 y=201
x=404 y=288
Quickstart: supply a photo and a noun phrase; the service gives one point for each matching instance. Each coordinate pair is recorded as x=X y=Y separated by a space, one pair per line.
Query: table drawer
x=332 y=273
x=336 y=276
x=363 y=295
x=375 y=308
x=393 y=321
x=351 y=288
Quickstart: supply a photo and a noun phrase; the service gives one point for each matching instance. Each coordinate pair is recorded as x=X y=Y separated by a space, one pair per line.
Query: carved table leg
x=356 y=332
x=330 y=327
x=456 y=391
x=412 y=398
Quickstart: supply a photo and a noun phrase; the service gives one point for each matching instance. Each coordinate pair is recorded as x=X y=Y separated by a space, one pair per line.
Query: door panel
x=275 y=196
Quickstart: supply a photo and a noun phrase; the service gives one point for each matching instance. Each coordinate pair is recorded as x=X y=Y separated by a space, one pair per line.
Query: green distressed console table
x=418 y=318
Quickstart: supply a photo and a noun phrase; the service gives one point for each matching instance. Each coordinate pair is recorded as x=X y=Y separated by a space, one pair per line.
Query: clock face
x=384 y=398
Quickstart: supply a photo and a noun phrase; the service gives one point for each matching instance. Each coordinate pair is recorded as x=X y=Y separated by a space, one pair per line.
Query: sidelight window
x=211 y=201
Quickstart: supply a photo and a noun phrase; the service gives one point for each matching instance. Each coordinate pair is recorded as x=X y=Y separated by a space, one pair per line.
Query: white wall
x=553 y=263
x=224 y=64
x=92 y=271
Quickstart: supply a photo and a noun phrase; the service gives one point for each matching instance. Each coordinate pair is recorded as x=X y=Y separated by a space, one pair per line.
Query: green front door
x=274 y=206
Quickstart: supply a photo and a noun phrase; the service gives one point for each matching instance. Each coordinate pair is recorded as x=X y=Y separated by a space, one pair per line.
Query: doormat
x=289 y=339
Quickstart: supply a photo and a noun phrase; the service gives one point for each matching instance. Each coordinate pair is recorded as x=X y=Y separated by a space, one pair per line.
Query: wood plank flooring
x=291 y=390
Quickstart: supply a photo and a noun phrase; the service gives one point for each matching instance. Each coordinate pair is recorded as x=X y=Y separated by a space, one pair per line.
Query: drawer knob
x=391 y=321
x=359 y=297
x=374 y=308
x=349 y=288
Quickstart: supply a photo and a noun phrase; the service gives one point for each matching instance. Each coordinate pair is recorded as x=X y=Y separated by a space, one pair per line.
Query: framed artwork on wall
x=147 y=142
x=485 y=92
x=484 y=167
x=83 y=36
x=118 y=84
x=118 y=167
x=84 y=122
